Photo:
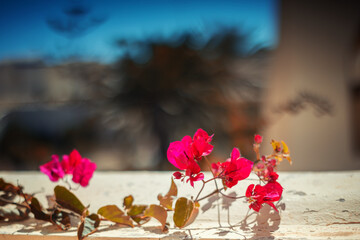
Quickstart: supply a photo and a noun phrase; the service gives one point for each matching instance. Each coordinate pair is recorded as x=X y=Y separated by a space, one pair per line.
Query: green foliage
x=128 y=201
x=36 y=209
x=167 y=200
x=58 y=217
x=68 y=200
x=114 y=214
x=157 y=212
x=136 y=212
x=88 y=226
x=185 y=212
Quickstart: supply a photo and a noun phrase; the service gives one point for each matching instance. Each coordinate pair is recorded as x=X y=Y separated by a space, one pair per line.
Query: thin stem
x=65 y=180
x=202 y=188
x=14 y=203
x=230 y=196
x=209 y=166
x=256 y=150
x=249 y=179
x=78 y=186
x=60 y=208
x=260 y=180
x=23 y=195
x=211 y=179
x=210 y=194
x=208 y=163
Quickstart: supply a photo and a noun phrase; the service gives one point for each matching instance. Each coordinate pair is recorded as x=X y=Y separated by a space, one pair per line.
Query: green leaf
x=185 y=212
x=68 y=200
x=128 y=201
x=88 y=226
x=167 y=200
x=158 y=213
x=114 y=214
x=136 y=212
x=59 y=218
x=36 y=209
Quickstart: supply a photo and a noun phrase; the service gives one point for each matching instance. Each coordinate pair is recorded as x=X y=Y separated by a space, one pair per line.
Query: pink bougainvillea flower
x=201 y=144
x=268 y=174
x=53 y=169
x=83 y=172
x=194 y=174
x=184 y=155
x=70 y=162
x=216 y=169
x=179 y=153
x=273 y=176
x=272 y=162
x=269 y=193
x=258 y=139
x=265 y=169
x=177 y=175
x=234 y=169
x=259 y=166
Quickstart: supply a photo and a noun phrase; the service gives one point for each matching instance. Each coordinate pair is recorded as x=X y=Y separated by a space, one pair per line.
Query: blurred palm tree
x=173 y=87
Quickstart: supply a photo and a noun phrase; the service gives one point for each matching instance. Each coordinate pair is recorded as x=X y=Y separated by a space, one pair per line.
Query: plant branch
x=210 y=194
x=227 y=196
x=202 y=188
x=13 y=203
x=209 y=166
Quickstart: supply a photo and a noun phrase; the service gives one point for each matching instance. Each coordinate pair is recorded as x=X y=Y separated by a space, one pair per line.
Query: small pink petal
x=53 y=169
x=177 y=175
x=235 y=154
x=258 y=139
x=84 y=172
x=177 y=156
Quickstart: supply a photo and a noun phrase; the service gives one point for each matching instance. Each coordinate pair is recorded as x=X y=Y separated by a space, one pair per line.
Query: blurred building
x=318 y=48
x=51 y=109
x=47 y=110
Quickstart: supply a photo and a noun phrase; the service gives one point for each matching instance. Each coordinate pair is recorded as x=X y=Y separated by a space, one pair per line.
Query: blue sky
x=25 y=33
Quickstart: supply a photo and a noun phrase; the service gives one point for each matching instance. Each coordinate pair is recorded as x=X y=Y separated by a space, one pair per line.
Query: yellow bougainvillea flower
x=276 y=145
x=286 y=152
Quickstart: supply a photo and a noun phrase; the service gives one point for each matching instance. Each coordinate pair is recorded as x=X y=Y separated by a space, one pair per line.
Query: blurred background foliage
x=129 y=111
x=123 y=107
x=124 y=114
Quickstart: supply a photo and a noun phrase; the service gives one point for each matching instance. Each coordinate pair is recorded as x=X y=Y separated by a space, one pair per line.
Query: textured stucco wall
x=316 y=39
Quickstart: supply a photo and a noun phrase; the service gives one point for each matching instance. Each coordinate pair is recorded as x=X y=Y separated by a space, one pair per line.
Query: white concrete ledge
x=315 y=205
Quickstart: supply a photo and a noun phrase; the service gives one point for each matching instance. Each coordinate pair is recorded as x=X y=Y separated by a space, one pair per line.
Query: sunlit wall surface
x=313 y=98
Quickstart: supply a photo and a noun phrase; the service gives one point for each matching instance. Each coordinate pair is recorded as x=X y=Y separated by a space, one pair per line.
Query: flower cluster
x=186 y=154
x=80 y=168
x=233 y=170
x=266 y=167
x=269 y=193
